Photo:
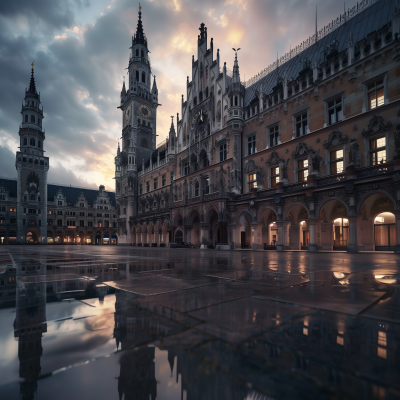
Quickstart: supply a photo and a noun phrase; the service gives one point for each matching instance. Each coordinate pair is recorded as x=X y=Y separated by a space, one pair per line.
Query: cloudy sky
x=81 y=48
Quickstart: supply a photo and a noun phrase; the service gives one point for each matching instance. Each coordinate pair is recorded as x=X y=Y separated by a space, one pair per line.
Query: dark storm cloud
x=7 y=163
x=79 y=64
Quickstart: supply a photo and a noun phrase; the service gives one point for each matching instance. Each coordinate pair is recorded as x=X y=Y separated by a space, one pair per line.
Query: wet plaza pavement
x=101 y=322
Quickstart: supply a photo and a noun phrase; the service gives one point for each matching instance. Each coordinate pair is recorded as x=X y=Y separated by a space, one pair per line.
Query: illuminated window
x=302 y=169
x=274 y=176
x=377 y=151
x=336 y=161
x=376 y=94
x=252 y=180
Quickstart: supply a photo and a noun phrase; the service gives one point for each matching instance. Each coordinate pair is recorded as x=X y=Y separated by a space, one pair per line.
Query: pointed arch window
x=32 y=142
x=143 y=77
x=25 y=141
x=137 y=75
x=33 y=118
x=26 y=117
x=196 y=189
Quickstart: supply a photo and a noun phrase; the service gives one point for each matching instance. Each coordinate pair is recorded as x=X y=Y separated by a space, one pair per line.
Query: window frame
x=307 y=127
x=274 y=177
x=372 y=151
x=302 y=169
x=336 y=160
x=366 y=105
x=251 y=144
x=251 y=181
x=222 y=151
x=327 y=108
x=277 y=135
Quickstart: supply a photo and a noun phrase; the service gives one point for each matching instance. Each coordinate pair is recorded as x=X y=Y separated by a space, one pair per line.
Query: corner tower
x=139 y=102
x=32 y=167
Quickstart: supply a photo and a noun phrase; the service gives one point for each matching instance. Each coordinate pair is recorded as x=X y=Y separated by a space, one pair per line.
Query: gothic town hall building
x=305 y=155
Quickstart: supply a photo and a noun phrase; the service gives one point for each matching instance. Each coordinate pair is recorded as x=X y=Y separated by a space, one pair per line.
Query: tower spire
x=140 y=37
x=236 y=75
x=32 y=86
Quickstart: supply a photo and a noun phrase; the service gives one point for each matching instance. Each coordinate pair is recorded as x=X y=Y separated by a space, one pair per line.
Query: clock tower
x=139 y=102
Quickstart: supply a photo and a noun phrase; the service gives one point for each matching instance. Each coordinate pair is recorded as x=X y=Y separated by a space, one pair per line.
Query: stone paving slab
x=239 y=320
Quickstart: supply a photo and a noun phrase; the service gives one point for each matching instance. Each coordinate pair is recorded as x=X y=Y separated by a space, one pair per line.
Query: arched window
x=25 y=141
x=236 y=101
x=26 y=117
x=137 y=52
x=142 y=52
x=143 y=77
x=33 y=118
x=32 y=197
x=32 y=142
x=137 y=75
x=196 y=189
x=39 y=143
x=39 y=122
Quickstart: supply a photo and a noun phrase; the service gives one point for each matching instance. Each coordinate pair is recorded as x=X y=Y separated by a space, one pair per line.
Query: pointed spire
x=123 y=91
x=154 y=90
x=139 y=37
x=118 y=150
x=171 y=360
x=32 y=86
x=172 y=129
x=236 y=75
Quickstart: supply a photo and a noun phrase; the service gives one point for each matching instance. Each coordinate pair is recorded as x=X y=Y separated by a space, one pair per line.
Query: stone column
x=352 y=247
x=312 y=246
x=203 y=235
x=281 y=240
x=295 y=237
x=397 y=246
x=256 y=242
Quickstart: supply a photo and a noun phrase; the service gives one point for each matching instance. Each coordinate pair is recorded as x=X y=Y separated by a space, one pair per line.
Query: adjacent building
x=33 y=211
x=305 y=155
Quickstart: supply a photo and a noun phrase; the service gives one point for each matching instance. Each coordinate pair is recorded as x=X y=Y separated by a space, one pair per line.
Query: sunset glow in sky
x=81 y=50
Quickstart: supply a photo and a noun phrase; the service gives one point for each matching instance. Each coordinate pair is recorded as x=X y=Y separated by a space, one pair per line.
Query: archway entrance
x=296 y=234
x=32 y=237
x=178 y=236
x=269 y=229
x=222 y=235
x=98 y=238
x=245 y=231
x=385 y=231
x=333 y=227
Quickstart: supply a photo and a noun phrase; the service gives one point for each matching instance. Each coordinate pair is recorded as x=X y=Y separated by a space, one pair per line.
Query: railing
x=211 y=196
x=294 y=188
x=331 y=179
x=375 y=170
x=339 y=21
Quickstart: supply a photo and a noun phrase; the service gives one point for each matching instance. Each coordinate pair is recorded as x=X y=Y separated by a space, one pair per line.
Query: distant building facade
x=33 y=211
x=306 y=155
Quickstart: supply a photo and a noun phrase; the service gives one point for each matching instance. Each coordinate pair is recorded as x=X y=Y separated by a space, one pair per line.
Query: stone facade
x=304 y=156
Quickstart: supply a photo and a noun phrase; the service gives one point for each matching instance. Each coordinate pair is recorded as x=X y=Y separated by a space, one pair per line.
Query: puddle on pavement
x=149 y=327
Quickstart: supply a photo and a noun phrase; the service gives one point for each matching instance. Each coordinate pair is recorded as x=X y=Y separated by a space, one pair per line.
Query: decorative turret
x=154 y=90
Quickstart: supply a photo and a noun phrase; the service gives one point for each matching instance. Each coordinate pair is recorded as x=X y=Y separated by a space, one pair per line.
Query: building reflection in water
x=30 y=324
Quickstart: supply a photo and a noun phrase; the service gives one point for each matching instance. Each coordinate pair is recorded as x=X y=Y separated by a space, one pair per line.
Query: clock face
x=144 y=111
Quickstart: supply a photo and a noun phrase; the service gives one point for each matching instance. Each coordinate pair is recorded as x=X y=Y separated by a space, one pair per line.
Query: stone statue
x=316 y=161
x=260 y=176
x=354 y=154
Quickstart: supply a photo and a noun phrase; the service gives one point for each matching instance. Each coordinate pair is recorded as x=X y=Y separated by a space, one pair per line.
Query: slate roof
x=72 y=193
x=361 y=25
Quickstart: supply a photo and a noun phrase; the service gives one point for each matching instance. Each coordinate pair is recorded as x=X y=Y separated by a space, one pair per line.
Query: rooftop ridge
x=58 y=184
x=339 y=21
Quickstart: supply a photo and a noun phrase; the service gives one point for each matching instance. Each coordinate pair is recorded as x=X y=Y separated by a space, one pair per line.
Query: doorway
x=340 y=233
x=385 y=231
